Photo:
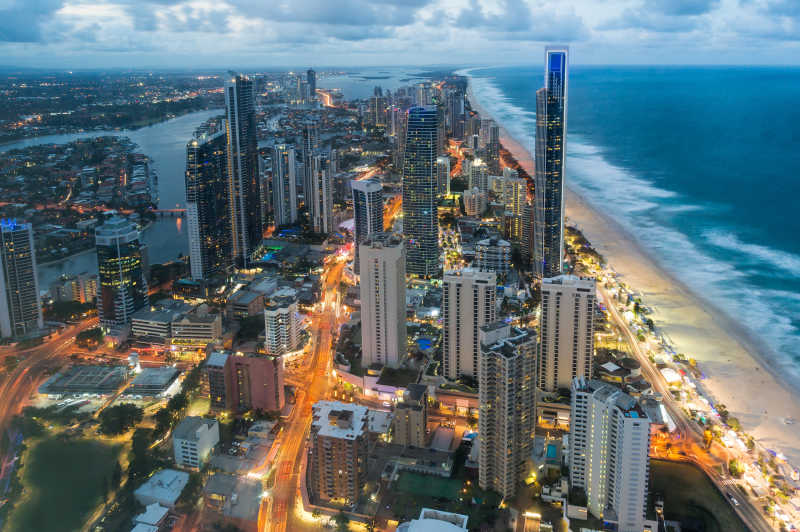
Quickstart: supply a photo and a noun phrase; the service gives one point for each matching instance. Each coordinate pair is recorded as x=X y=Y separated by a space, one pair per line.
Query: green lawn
x=428 y=486
x=689 y=496
x=63 y=483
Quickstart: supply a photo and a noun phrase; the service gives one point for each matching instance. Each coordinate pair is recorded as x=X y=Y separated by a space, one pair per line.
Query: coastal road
x=277 y=512
x=691 y=434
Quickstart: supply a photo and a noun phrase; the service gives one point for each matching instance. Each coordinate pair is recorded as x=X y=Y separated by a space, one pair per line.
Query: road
x=691 y=436
x=277 y=510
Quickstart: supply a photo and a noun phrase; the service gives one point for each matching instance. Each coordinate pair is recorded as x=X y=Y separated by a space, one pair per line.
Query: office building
x=20 y=306
x=566 y=331
x=281 y=326
x=311 y=80
x=420 y=221
x=193 y=439
x=468 y=303
x=609 y=447
x=443 y=175
x=368 y=213
x=475 y=202
x=493 y=255
x=256 y=382
x=123 y=289
x=207 y=207
x=284 y=185
x=411 y=417
x=244 y=183
x=551 y=150
x=383 y=300
x=319 y=197
x=507 y=395
x=337 y=459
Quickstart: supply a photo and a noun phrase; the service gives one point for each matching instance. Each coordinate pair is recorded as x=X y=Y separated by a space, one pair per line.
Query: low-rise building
x=431 y=520
x=155 y=382
x=196 y=329
x=163 y=488
x=193 y=440
x=235 y=499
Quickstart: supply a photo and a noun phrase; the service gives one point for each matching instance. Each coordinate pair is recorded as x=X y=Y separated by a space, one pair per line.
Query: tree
x=342 y=522
x=191 y=492
x=119 y=418
x=141 y=460
x=736 y=468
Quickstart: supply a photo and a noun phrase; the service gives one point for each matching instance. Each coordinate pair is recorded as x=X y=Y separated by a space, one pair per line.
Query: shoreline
x=737 y=370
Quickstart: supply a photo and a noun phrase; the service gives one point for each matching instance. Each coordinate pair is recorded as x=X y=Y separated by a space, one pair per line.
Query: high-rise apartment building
x=281 y=326
x=468 y=303
x=410 y=421
x=566 y=331
x=256 y=382
x=123 y=289
x=311 y=148
x=479 y=176
x=311 y=80
x=284 y=185
x=609 y=448
x=493 y=149
x=337 y=452
x=507 y=395
x=244 y=183
x=319 y=197
x=20 y=306
x=526 y=242
x=551 y=150
x=475 y=201
x=207 y=206
x=443 y=175
x=514 y=194
x=383 y=300
x=493 y=255
x=368 y=212
x=377 y=111
x=420 y=220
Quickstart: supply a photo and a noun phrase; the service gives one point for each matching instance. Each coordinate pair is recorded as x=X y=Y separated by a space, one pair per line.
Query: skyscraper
x=443 y=175
x=609 y=448
x=311 y=79
x=493 y=149
x=368 y=213
x=309 y=150
x=383 y=300
x=566 y=331
x=207 y=204
x=20 y=306
x=244 y=184
x=284 y=185
x=420 y=223
x=551 y=149
x=281 y=326
x=468 y=303
x=514 y=192
x=507 y=394
x=123 y=289
x=319 y=197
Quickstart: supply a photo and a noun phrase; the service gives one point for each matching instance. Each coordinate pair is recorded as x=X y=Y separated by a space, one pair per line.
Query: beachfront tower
x=420 y=224
x=207 y=212
x=244 y=186
x=20 y=306
x=368 y=212
x=551 y=149
x=284 y=185
x=123 y=289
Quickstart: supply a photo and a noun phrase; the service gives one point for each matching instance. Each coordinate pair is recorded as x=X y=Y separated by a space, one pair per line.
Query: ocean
x=701 y=165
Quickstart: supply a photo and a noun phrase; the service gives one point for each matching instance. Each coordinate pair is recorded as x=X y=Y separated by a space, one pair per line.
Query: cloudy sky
x=262 y=33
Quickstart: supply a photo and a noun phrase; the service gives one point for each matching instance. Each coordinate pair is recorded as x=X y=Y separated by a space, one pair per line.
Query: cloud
x=514 y=20
x=22 y=20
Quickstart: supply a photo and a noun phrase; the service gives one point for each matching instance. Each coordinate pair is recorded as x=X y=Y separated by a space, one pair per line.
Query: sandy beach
x=737 y=372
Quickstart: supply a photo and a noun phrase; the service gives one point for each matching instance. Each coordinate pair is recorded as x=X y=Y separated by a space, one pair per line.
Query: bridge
x=169 y=213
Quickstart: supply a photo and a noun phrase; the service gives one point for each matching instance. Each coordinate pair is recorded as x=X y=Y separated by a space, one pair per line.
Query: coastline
x=738 y=373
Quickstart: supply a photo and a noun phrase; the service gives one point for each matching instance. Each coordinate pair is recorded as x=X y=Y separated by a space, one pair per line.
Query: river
x=165 y=144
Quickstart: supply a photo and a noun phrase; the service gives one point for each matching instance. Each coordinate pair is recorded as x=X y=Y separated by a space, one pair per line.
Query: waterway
x=165 y=144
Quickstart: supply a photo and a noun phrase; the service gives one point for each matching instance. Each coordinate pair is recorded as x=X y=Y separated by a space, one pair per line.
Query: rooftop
x=164 y=486
x=242 y=496
x=217 y=359
x=350 y=419
x=187 y=428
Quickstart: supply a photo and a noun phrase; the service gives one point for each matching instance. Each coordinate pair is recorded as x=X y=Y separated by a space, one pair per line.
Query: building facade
x=337 y=460
x=410 y=421
x=193 y=439
x=207 y=206
x=609 y=453
x=281 y=326
x=420 y=217
x=443 y=175
x=566 y=331
x=20 y=305
x=551 y=150
x=507 y=394
x=493 y=255
x=383 y=300
x=368 y=213
x=320 y=196
x=284 y=185
x=468 y=303
x=123 y=289
x=244 y=183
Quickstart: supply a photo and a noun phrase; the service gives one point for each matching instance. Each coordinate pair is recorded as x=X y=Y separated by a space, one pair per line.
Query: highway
x=277 y=510
x=691 y=436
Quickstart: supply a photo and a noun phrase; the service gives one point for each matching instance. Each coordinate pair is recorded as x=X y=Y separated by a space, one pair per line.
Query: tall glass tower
x=20 y=306
x=551 y=143
x=420 y=224
x=244 y=187
x=368 y=212
x=207 y=204
x=123 y=289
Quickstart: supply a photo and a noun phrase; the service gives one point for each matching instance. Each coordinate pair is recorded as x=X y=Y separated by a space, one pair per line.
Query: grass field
x=428 y=486
x=63 y=483
x=690 y=497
